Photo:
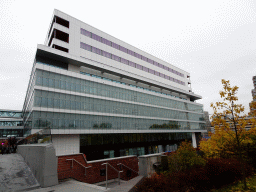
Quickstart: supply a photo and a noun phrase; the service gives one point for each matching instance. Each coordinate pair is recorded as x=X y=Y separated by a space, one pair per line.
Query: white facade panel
x=66 y=144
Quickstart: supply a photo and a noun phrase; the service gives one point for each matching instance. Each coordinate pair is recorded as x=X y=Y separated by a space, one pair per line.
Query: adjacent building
x=207 y=124
x=100 y=96
x=11 y=124
x=253 y=91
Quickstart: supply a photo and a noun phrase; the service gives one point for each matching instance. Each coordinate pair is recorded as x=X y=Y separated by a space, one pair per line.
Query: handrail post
x=72 y=163
x=106 y=175
x=119 y=177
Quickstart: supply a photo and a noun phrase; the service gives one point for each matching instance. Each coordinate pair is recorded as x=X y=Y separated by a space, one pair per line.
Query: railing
x=79 y=164
x=107 y=173
x=128 y=167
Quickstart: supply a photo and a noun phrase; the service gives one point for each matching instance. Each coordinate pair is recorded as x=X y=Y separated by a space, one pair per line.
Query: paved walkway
x=15 y=175
x=71 y=185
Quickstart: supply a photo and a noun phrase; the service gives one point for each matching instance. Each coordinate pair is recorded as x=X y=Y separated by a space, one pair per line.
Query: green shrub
x=185 y=158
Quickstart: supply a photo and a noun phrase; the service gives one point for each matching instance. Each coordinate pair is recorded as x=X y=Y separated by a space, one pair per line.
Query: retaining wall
x=42 y=161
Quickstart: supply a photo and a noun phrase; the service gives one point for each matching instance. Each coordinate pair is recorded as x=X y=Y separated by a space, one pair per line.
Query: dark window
x=62 y=22
x=160 y=65
x=156 y=73
x=155 y=63
x=59 y=35
x=166 y=68
x=60 y=48
x=161 y=74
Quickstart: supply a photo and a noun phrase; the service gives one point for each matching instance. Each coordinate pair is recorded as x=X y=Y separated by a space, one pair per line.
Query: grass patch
x=238 y=186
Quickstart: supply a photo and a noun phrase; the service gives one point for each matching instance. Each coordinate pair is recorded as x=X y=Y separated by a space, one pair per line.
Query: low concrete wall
x=146 y=162
x=42 y=160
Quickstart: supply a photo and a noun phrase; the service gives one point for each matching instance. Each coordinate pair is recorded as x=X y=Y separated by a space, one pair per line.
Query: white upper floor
x=82 y=40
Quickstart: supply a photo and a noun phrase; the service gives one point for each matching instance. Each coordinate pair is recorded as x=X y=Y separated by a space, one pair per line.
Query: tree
x=230 y=134
x=185 y=158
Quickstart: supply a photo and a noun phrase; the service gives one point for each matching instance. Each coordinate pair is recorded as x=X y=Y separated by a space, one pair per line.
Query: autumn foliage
x=226 y=117
x=229 y=154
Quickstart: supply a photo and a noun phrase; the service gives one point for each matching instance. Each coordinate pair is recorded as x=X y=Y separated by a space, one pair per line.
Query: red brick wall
x=93 y=173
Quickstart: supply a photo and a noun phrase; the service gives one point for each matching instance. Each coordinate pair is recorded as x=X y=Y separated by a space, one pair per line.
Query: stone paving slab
x=71 y=185
x=127 y=186
x=15 y=175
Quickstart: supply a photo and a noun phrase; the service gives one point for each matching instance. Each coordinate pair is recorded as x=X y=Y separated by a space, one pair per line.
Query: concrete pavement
x=15 y=175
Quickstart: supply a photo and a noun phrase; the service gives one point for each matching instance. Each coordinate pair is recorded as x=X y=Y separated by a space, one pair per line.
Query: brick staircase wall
x=65 y=169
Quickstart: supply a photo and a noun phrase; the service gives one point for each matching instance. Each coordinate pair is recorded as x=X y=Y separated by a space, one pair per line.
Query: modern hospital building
x=103 y=97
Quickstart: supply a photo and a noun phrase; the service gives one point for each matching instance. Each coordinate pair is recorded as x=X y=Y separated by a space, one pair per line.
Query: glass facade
x=59 y=120
x=118 y=114
x=10 y=123
x=10 y=114
x=11 y=132
x=58 y=81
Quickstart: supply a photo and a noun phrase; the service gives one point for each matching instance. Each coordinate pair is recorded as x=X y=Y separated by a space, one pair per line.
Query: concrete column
x=194 y=140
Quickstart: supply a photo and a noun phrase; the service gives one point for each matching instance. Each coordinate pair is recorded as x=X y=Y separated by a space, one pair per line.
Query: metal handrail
x=128 y=167
x=107 y=173
x=85 y=159
x=79 y=164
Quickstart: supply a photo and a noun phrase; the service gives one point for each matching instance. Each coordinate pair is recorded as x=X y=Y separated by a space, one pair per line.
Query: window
x=124 y=61
x=106 y=54
x=115 y=45
x=151 y=71
x=116 y=58
x=150 y=61
x=96 y=37
x=96 y=50
x=144 y=58
x=138 y=66
x=145 y=69
x=130 y=52
x=105 y=41
x=160 y=65
x=137 y=55
x=132 y=64
x=123 y=49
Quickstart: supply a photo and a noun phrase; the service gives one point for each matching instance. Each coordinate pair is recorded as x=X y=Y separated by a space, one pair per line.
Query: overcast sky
x=212 y=40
